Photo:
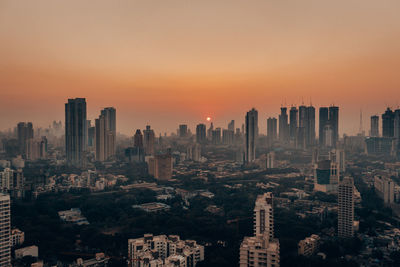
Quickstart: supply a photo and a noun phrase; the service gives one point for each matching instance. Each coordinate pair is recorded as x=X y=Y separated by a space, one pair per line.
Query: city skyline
x=220 y=67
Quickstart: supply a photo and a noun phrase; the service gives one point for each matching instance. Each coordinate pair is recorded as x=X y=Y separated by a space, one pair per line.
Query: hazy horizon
x=165 y=63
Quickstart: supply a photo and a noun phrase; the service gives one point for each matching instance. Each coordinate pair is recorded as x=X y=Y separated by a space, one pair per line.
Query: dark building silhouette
x=388 y=123
x=334 y=122
x=283 y=126
x=272 y=130
x=374 y=132
x=323 y=121
x=293 y=115
x=251 y=135
x=201 y=133
x=75 y=131
x=24 y=132
x=183 y=130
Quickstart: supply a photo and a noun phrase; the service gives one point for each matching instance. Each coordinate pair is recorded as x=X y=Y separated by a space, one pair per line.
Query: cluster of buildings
x=164 y=251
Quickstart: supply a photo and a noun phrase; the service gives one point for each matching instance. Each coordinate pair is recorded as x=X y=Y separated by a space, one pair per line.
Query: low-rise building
x=32 y=251
x=17 y=237
x=309 y=246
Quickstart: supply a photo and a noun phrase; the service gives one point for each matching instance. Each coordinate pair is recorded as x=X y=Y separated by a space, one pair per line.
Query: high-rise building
x=272 y=130
x=75 y=131
x=346 y=208
x=397 y=132
x=138 y=139
x=209 y=131
x=161 y=166
x=262 y=249
x=251 y=135
x=183 y=130
x=293 y=115
x=227 y=137
x=334 y=122
x=388 y=123
x=310 y=126
x=283 y=126
x=326 y=176
x=106 y=134
x=270 y=160
x=374 y=126
x=339 y=157
x=36 y=149
x=216 y=136
x=201 y=137
x=384 y=188
x=149 y=140
x=24 y=132
x=323 y=121
x=231 y=125
x=5 y=242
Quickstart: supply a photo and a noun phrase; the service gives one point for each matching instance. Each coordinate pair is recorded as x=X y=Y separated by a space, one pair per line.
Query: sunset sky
x=168 y=62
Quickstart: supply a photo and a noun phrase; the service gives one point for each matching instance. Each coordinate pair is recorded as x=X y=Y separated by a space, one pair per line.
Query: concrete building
x=201 y=136
x=338 y=156
x=183 y=130
x=272 y=130
x=374 y=132
x=262 y=249
x=100 y=260
x=388 y=123
x=227 y=137
x=160 y=166
x=326 y=176
x=346 y=208
x=164 y=251
x=149 y=140
x=75 y=131
x=106 y=134
x=271 y=160
x=5 y=233
x=32 y=251
x=24 y=133
x=17 y=237
x=284 y=135
x=251 y=135
x=309 y=246
x=384 y=188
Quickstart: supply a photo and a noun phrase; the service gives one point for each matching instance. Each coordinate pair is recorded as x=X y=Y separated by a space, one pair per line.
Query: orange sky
x=168 y=62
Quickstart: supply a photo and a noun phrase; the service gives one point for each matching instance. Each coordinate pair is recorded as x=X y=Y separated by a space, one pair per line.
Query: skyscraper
x=334 y=122
x=251 y=135
x=5 y=244
x=231 y=125
x=346 y=208
x=227 y=137
x=138 y=139
x=328 y=126
x=283 y=126
x=106 y=134
x=24 y=132
x=262 y=249
x=310 y=127
x=75 y=131
x=374 y=126
x=201 y=133
x=293 y=123
x=149 y=140
x=323 y=121
x=272 y=130
x=183 y=130
x=388 y=123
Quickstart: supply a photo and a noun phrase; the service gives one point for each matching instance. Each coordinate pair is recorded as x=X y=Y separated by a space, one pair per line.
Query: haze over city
x=199 y=133
x=171 y=62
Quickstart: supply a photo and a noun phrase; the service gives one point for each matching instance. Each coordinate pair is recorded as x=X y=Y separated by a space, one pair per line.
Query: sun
x=208 y=119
